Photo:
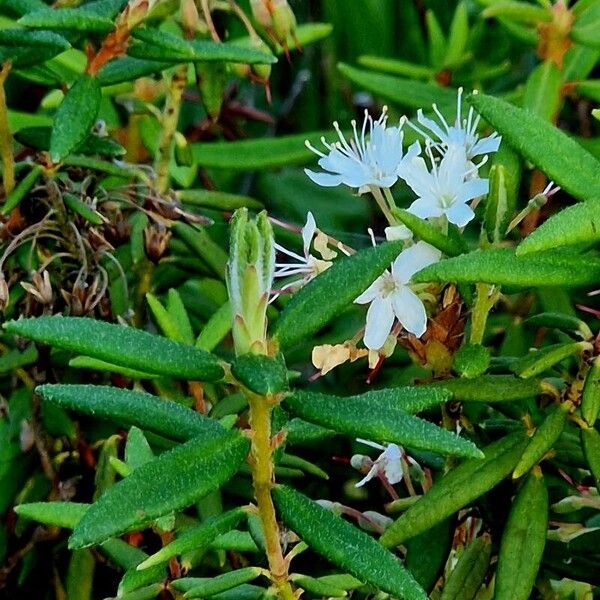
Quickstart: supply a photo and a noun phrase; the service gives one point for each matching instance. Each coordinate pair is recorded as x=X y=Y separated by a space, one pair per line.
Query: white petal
x=324 y=179
x=370 y=443
x=473 y=188
x=432 y=126
x=372 y=473
x=452 y=170
x=392 y=464
x=486 y=146
x=413 y=259
x=380 y=318
x=372 y=292
x=426 y=207
x=410 y=311
x=308 y=231
x=460 y=214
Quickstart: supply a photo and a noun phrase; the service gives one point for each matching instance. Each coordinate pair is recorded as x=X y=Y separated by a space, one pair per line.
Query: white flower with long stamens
x=446 y=189
x=371 y=157
x=388 y=464
x=462 y=134
x=305 y=267
x=390 y=296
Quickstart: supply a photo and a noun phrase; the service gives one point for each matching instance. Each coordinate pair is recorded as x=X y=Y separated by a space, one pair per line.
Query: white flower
x=306 y=267
x=462 y=134
x=391 y=297
x=446 y=189
x=389 y=463
x=371 y=157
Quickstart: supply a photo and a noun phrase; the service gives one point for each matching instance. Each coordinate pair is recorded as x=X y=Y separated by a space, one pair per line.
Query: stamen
x=313 y=149
x=436 y=110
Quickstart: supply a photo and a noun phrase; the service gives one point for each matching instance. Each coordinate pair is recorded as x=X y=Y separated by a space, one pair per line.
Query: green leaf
x=75 y=117
x=563 y=321
x=217 y=200
x=573 y=168
x=331 y=292
x=21 y=190
x=470 y=570
x=261 y=374
x=578 y=224
x=517 y=11
x=590 y=397
x=458 y=36
x=128 y=68
x=306 y=34
x=39 y=138
x=75 y=19
x=344 y=545
x=160 y=45
x=120 y=345
x=586 y=29
x=458 y=488
x=396 y=67
x=490 y=388
x=426 y=231
x=15 y=37
x=171 y=482
x=404 y=92
x=523 y=541
x=55 y=514
x=249 y=155
x=541 y=360
x=127 y=407
x=195 y=538
x=543 y=439
x=542 y=91
x=590 y=441
x=204 y=587
x=502 y=267
x=379 y=417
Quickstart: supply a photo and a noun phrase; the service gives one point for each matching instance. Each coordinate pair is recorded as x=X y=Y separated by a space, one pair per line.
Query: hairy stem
x=169 y=121
x=6 y=155
x=261 y=461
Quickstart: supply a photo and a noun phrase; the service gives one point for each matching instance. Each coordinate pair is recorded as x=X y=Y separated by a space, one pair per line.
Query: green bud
x=284 y=21
x=249 y=279
x=471 y=360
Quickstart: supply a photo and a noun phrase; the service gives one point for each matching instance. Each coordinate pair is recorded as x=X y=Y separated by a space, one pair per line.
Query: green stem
x=6 y=155
x=485 y=297
x=169 y=120
x=261 y=463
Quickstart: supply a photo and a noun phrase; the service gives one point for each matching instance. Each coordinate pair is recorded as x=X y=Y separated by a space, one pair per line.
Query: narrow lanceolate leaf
x=163 y=46
x=542 y=91
x=205 y=587
x=457 y=489
x=573 y=168
x=541 y=360
x=56 y=514
x=331 y=292
x=120 y=345
x=15 y=37
x=543 y=439
x=578 y=224
x=590 y=440
x=128 y=68
x=490 y=388
x=75 y=19
x=127 y=408
x=75 y=117
x=377 y=419
x=344 y=545
x=590 y=398
x=404 y=92
x=217 y=200
x=469 y=573
x=195 y=538
x=172 y=481
x=424 y=230
x=502 y=267
x=523 y=541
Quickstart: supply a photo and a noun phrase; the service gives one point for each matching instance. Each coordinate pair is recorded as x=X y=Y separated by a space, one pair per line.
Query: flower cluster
x=443 y=171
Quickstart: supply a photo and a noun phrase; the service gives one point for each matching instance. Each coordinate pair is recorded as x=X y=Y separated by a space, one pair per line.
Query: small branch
x=170 y=117
x=6 y=141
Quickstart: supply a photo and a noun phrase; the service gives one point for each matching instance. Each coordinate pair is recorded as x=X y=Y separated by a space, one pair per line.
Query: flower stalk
x=250 y=272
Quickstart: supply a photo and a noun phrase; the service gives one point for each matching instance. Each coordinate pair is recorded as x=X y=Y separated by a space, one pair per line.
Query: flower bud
x=249 y=279
x=276 y=17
